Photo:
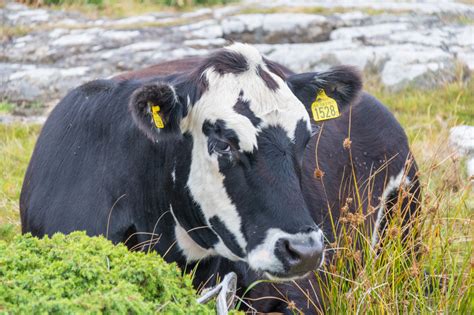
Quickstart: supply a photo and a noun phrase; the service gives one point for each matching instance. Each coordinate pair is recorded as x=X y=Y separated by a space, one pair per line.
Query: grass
x=16 y=146
x=317 y=10
x=6 y=107
x=124 y=8
x=392 y=282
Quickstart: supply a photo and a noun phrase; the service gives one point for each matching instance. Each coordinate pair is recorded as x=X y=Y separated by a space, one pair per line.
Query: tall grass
x=429 y=272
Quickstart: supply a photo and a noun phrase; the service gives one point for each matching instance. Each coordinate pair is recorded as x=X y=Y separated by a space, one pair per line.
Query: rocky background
x=422 y=44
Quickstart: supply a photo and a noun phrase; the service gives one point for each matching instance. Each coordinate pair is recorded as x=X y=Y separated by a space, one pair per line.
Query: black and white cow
x=211 y=160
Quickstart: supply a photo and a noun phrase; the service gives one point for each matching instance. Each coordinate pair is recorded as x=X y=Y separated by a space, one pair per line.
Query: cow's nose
x=299 y=256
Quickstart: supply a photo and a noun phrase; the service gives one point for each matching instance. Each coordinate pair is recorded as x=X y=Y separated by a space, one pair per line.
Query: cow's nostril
x=294 y=254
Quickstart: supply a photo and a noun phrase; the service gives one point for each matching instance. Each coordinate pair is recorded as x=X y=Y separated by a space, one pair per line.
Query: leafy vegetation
x=6 y=107
x=78 y=274
x=441 y=280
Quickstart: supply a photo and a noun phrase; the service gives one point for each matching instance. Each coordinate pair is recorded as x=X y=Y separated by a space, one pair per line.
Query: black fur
x=243 y=108
x=225 y=61
x=163 y=95
x=267 y=78
x=343 y=83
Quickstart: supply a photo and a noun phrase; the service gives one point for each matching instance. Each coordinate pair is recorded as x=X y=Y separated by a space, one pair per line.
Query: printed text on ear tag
x=155 y=109
x=324 y=107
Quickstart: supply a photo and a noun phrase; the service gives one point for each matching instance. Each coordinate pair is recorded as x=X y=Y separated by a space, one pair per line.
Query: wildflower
x=347 y=143
x=318 y=173
x=291 y=305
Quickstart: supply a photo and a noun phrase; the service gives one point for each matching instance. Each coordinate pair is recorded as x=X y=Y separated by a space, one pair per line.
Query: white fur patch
x=206 y=186
x=394 y=184
x=190 y=249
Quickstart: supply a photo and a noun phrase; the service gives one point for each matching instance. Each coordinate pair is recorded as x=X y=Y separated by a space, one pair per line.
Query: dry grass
x=123 y=8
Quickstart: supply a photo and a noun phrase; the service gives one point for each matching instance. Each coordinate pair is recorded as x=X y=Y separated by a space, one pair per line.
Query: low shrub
x=73 y=274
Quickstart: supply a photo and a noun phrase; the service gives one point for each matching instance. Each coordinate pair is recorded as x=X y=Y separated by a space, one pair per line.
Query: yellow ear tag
x=155 y=109
x=324 y=107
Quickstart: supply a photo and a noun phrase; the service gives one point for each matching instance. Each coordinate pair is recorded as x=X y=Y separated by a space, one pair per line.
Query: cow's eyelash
x=227 y=151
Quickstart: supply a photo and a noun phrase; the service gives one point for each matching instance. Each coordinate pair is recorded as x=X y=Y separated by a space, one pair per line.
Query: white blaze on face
x=278 y=107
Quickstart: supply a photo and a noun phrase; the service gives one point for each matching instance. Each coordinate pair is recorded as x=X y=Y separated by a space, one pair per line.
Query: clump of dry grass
x=429 y=272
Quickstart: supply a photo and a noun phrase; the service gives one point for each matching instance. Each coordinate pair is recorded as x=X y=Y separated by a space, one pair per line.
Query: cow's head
x=240 y=132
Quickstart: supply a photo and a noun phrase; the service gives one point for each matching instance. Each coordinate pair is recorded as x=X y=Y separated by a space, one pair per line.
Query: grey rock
x=378 y=30
x=15 y=119
x=413 y=43
x=277 y=28
x=39 y=84
x=462 y=138
x=420 y=6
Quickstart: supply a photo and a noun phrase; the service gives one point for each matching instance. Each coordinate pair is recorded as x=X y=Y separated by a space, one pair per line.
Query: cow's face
x=238 y=164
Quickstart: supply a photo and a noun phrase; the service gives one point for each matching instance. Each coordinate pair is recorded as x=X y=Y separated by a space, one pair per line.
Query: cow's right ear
x=157 y=111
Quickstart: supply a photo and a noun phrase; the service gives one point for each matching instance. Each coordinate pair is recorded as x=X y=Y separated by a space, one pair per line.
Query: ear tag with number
x=155 y=109
x=324 y=107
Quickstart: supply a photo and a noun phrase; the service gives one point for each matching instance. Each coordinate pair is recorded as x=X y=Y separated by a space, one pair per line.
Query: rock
x=40 y=84
x=13 y=119
x=277 y=28
x=462 y=139
x=421 y=44
x=418 y=66
x=420 y=7
x=206 y=29
x=377 y=30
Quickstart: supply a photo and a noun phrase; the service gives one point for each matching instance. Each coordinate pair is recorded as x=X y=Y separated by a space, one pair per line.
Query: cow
x=219 y=164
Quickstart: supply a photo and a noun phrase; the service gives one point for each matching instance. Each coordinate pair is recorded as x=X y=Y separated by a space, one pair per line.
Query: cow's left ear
x=341 y=83
x=157 y=111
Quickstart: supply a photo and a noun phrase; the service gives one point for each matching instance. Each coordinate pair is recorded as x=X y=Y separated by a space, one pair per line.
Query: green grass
x=316 y=10
x=391 y=282
x=6 y=107
x=16 y=146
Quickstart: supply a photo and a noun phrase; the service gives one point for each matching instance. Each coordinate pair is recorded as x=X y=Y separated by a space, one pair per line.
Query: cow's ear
x=341 y=83
x=157 y=111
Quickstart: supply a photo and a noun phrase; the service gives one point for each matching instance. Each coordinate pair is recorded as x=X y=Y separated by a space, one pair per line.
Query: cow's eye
x=222 y=147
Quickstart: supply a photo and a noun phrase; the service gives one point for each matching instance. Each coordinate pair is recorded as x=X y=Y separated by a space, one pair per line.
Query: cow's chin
x=284 y=277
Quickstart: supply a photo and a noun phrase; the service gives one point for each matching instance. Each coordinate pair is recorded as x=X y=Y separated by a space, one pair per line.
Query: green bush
x=77 y=274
